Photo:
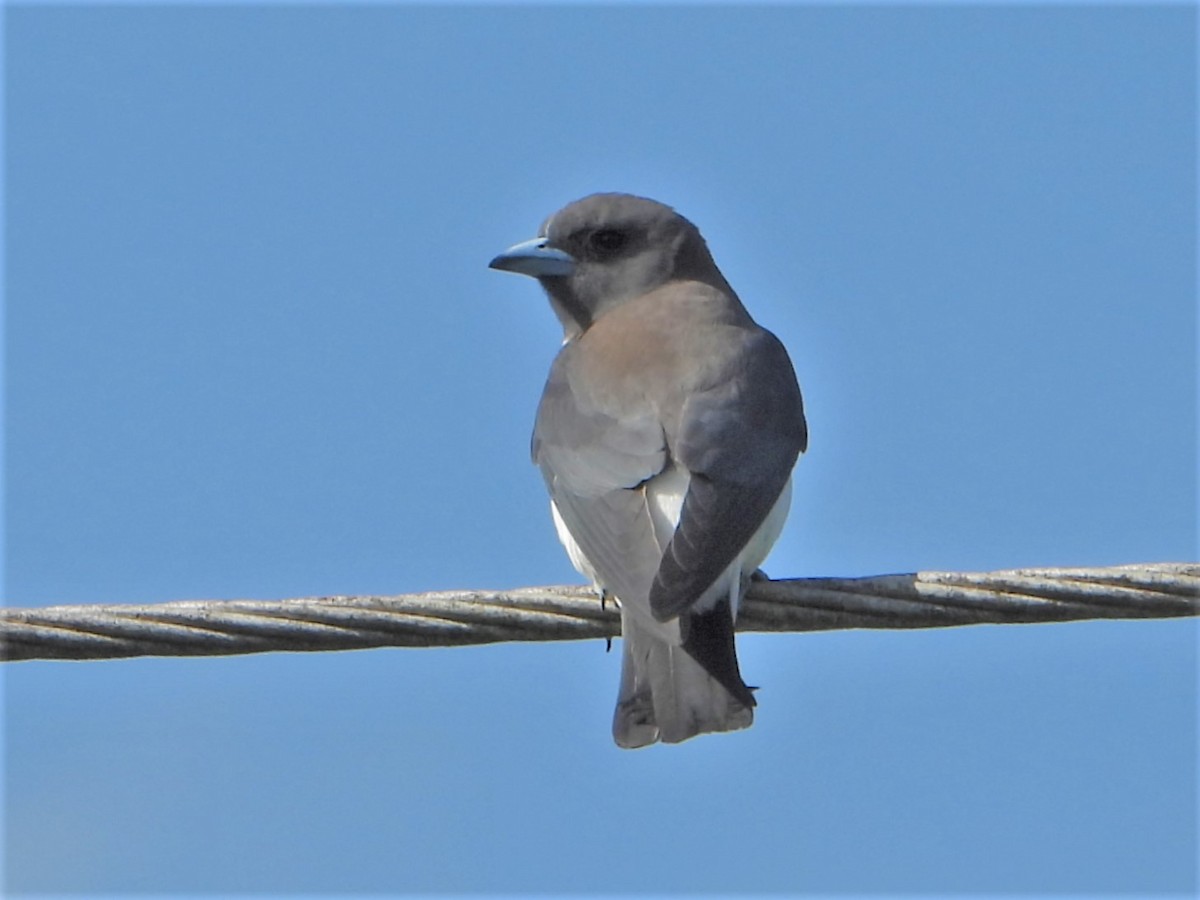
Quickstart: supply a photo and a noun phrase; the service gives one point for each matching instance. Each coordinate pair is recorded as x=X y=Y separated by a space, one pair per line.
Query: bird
x=666 y=434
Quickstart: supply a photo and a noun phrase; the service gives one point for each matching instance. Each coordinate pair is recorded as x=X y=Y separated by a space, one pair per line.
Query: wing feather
x=595 y=467
x=740 y=441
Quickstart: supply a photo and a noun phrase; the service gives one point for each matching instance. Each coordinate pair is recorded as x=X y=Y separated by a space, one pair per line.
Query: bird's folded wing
x=594 y=464
x=739 y=440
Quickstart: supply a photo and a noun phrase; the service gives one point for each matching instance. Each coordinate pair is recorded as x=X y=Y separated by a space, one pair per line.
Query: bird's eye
x=606 y=240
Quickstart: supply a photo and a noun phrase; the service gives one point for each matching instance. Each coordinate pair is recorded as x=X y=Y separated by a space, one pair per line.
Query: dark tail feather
x=708 y=639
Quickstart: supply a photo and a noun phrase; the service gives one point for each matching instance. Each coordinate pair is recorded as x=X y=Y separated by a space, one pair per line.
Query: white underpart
x=578 y=560
x=664 y=500
x=665 y=494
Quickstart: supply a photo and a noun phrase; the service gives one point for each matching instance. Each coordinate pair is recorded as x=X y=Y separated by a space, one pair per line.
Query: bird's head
x=597 y=252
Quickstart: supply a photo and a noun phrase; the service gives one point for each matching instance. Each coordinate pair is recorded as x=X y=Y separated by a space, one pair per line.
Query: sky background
x=253 y=349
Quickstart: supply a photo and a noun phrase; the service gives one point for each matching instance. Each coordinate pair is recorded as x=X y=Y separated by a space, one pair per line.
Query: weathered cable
x=447 y=618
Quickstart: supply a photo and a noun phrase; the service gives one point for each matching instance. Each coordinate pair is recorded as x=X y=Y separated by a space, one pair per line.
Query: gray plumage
x=667 y=433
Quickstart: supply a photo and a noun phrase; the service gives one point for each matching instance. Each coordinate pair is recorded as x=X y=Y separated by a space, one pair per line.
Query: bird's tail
x=672 y=692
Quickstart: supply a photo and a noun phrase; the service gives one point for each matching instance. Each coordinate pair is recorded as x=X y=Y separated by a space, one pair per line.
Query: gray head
x=597 y=252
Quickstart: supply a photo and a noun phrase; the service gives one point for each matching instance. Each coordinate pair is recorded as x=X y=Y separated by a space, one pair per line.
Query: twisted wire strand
x=455 y=618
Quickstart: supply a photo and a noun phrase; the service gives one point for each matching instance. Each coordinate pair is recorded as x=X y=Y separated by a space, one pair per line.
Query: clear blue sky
x=254 y=350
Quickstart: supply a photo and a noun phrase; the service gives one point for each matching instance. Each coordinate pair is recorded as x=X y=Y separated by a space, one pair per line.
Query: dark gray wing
x=594 y=463
x=740 y=440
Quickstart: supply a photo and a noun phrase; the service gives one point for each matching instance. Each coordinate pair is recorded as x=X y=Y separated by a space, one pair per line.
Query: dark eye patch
x=607 y=241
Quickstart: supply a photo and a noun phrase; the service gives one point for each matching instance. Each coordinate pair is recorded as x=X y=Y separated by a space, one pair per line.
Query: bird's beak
x=535 y=258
